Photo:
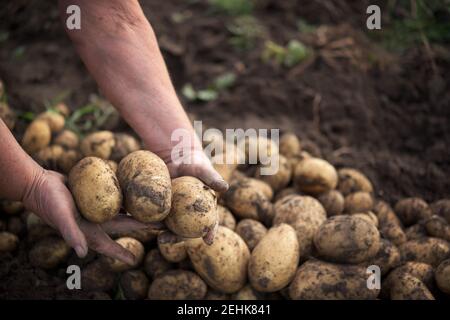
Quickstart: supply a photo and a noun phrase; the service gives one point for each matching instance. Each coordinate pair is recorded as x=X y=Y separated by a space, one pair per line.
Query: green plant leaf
x=189 y=92
x=224 y=81
x=296 y=52
x=207 y=95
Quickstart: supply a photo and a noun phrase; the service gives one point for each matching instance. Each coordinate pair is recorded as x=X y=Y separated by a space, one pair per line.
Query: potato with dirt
x=7 y=115
x=124 y=145
x=428 y=250
x=145 y=181
x=333 y=202
x=177 y=285
x=132 y=245
x=359 y=201
x=11 y=207
x=290 y=145
x=134 y=284
x=67 y=139
x=251 y=231
x=347 y=239
x=412 y=210
x=408 y=287
x=95 y=189
x=226 y=218
x=442 y=276
x=193 y=212
x=97 y=276
x=49 y=157
x=49 y=252
x=281 y=178
x=67 y=160
x=223 y=265
x=247 y=293
x=8 y=241
x=36 y=137
x=274 y=260
x=422 y=271
x=155 y=264
x=54 y=120
x=389 y=224
x=369 y=216
x=318 y=280
x=171 y=247
x=315 y=176
x=352 y=180
x=98 y=144
x=285 y=192
x=387 y=257
x=305 y=214
x=441 y=208
x=438 y=227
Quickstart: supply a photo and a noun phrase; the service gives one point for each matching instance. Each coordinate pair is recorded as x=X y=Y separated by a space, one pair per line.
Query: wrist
x=30 y=193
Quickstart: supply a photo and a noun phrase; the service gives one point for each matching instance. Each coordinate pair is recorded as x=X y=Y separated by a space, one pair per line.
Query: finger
x=207 y=174
x=100 y=242
x=123 y=223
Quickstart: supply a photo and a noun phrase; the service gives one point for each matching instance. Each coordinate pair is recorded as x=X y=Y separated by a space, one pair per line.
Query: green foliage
x=18 y=53
x=232 y=7
x=294 y=53
x=221 y=83
x=304 y=27
x=245 y=30
x=27 y=116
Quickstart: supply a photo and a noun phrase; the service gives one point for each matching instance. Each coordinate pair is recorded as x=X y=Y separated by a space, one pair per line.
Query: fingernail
x=81 y=251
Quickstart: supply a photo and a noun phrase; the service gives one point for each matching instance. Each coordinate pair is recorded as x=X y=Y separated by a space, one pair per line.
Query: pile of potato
x=308 y=232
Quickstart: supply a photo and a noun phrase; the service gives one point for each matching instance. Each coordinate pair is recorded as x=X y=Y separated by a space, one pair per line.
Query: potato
x=387 y=257
x=408 y=287
x=67 y=139
x=305 y=214
x=143 y=235
x=68 y=159
x=216 y=295
x=251 y=231
x=369 y=216
x=132 y=245
x=315 y=176
x=49 y=252
x=62 y=109
x=134 y=284
x=124 y=145
x=155 y=264
x=7 y=115
x=223 y=265
x=177 y=285
x=11 y=207
x=38 y=229
x=36 y=137
x=281 y=178
x=146 y=184
x=412 y=210
x=49 y=156
x=416 y=231
x=54 y=120
x=8 y=241
x=347 y=239
x=443 y=276
x=98 y=144
x=422 y=271
x=97 y=276
x=258 y=149
x=95 y=189
x=438 y=227
x=247 y=293
x=442 y=208
x=15 y=225
x=333 y=202
x=248 y=198
x=226 y=218
x=274 y=260
x=285 y=192
x=171 y=247
x=289 y=145
x=193 y=213
x=318 y=280
x=390 y=226
x=113 y=165
x=359 y=201
x=352 y=180
x=428 y=250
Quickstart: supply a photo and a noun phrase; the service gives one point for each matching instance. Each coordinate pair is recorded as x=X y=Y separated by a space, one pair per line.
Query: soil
x=384 y=113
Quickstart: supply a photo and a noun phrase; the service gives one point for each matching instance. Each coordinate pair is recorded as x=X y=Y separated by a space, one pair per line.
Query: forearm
x=18 y=170
x=119 y=48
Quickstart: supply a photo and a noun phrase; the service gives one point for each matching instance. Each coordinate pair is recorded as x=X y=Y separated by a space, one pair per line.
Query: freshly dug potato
x=49 y=156
x=412 y=210
x=347 y=239
x=368 y=216
x=274 y=260
x=171 y=247
x=281 y=178
x=8 y=241
x=285 y=192
x=68 y=160
x=38 y=229
x=193 y=213
x=67 y=139
x=251 y=231
x=146 y=184
x=289 y=145
x=134 y=284
x=49 y=252
x=390 y=226
x=155 y=264
x=422 y=271
x=124 y=145
x=216 y=295
x=177 y=285
x=132 y=245
x=416 y=231
x=428 y=250
x=98 y=144
x=226 y=218
x=113 y=165
x=97 y=276
x=318 y=280
x=352 y=180
x=359 y=201
x=247 y=293
x=62 y=109
x=11 y=207
x=55 y=121
x=442 y=208
x=144 y=235
x=305 y=214
x=258 y=149
x=387 y=257
x=36 y=137
x=438 y=227
x=333 y=202
x=95 y=189
x=248 y=199
x=223 y=265
x=315 y=176
x=7 y=115
x=408 y=287
x=442 y=276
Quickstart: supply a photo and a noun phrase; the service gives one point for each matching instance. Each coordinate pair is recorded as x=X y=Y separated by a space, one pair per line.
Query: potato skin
x=412 y=210
x=251 y=231
x=95 y=189
x=422 y=271
x=49 y=252
x=145 y=181
x=347 y=239
x=274 y=260
x=333 y=202
x=318 y=280
x=124 y=145
x=6 y=114
x=49 y=157
x=68 y=160
x=289 y=145
x=286 y=192
x=408 y=287
x=359 y=201
x=438 y=227
x=67 y=139
x=352 y=180
x=132 y=245
x=247 y=293
x=134 y=284
x=98 y=144
x=315 y=176
x=280 y=179
x=387 y=257
x=305 y=214
x=177 y=285
x=193 y=211
x=171 y=247
x=226 y=218
x=155 y=264
x=223 y=265
x=390 y=226
x=428 y=250
x=55 y=121
x=36 y=137
x=442 y=276
x=97 y=276
x=11 y=207
x=442 y=208
x=8 y=241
